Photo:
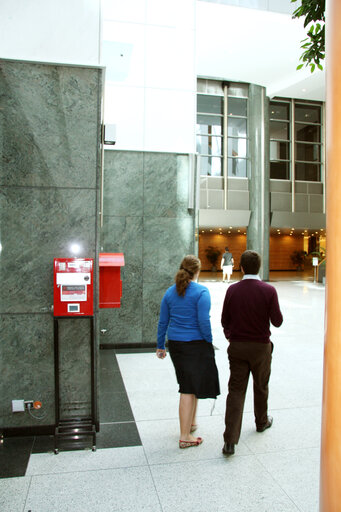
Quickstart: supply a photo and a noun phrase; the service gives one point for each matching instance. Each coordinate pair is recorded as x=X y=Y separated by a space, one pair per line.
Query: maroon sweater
x=249 y=307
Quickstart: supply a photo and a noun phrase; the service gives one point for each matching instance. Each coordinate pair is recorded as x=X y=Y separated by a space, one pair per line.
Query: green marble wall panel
x=165 y=185
x=50 y=125
x=124 y=234
x=166 y=242
x=38 y=225
x=146 y=218
x=123 y=184
x=26 y=367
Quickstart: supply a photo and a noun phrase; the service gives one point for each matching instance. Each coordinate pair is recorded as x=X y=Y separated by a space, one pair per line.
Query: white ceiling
x=255 y=46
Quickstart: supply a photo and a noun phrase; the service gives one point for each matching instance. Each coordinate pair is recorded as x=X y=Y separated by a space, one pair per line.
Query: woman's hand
x=161 y=353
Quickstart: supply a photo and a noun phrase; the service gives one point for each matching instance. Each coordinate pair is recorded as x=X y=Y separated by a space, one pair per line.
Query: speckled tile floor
x=277 y=470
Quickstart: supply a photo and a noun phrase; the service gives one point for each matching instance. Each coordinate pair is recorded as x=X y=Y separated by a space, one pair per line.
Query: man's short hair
x=250 y=261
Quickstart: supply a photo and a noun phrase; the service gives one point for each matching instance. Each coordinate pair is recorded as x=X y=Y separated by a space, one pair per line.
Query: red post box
x=73 y=287
x=110 y=284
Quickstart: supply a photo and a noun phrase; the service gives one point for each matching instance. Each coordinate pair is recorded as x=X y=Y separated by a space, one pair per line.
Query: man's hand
x=161 y=353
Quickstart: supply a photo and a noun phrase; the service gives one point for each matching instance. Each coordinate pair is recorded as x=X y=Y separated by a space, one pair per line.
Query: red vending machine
x=73 y=297
x=73 y=287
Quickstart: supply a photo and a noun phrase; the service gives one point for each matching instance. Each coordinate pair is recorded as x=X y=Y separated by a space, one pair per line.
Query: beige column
x=330 y=489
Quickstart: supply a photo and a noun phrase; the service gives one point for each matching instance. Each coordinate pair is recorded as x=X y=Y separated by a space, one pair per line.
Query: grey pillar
x=259 y=177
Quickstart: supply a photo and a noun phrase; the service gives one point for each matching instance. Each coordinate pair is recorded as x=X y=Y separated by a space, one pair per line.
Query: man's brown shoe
x=267 y=424
x=228 y=449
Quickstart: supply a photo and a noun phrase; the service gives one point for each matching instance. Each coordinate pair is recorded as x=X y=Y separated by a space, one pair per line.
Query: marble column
x=50 y=126
x=330 y=490
x=258 y=231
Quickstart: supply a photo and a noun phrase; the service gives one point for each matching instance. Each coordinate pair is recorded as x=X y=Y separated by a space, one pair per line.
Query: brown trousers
x=245 y=357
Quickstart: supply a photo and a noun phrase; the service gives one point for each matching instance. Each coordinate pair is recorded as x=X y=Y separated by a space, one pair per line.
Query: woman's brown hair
x=190 y=266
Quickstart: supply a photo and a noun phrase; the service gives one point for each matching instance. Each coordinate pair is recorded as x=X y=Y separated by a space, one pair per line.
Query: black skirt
x=195 y=367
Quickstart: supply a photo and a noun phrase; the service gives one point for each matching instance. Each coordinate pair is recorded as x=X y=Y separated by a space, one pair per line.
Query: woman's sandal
x=193 y=427
x=188 y=444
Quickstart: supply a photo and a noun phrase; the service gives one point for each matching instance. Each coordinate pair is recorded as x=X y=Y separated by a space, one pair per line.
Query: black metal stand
x=74 y=429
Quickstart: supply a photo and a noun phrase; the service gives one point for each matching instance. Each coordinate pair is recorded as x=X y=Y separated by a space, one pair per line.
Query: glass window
x=308 y=152
x=237 y=107
x=236 y=147
x=307 y=172
x=304 y=133
x=279 y=150
x=308 y=113
x=279 y=170
x=236 y=167
x=208 y=125
x=279 y=130
x=207 y=145
x=307 y=133
x=241 y=90
x=210 y=104
x=279 y=110
x=210 y=128
x=236 y=127
x=210 y=166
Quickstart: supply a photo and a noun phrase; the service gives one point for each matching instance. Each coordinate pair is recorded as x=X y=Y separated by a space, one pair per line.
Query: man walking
x=249 y=307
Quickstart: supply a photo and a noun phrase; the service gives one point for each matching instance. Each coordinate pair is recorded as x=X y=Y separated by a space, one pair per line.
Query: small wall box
x=110 y=284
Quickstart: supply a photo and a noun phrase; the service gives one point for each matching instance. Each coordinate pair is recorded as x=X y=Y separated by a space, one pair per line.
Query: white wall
x=255 y=46
x=63 y=31
x=149 y=52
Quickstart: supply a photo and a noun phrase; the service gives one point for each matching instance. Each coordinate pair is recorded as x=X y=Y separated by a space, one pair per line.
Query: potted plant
x=298 y=259
x=212 y=254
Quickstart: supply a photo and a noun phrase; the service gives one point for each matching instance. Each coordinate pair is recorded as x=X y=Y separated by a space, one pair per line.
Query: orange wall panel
x=235 y=242
x=281 y=248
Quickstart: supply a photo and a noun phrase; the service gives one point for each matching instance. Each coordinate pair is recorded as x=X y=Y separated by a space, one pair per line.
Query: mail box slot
x=110 y=284
x=73 y=287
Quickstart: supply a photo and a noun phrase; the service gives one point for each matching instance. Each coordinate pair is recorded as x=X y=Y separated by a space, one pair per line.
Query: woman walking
x=185 y=318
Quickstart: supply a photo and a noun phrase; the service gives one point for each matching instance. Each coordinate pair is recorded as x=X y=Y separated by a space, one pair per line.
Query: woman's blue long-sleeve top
x=185 y=318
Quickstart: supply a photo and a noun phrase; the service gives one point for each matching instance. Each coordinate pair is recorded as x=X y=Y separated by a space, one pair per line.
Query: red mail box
x=73 y=287
x=110 y=284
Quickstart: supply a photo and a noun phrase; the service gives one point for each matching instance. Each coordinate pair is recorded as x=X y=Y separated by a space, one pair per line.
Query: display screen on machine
x=73 y=293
